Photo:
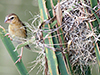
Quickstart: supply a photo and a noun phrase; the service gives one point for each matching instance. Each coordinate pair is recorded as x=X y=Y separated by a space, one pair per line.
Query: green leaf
x=14 y=55
x=50 y=54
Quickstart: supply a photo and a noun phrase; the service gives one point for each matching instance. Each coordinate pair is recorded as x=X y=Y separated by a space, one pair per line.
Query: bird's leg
x=7 y=34
x=20 y=56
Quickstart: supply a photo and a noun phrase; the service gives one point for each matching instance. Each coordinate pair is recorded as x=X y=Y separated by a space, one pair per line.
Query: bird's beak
x=6 y=20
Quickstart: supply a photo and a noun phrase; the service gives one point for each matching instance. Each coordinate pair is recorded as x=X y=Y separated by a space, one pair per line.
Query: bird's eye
x=11 y=18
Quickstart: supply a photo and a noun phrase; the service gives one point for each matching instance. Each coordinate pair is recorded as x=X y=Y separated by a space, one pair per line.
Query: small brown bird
x=16 y=29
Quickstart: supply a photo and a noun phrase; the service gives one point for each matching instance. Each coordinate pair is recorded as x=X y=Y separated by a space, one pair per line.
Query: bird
x=17 y=29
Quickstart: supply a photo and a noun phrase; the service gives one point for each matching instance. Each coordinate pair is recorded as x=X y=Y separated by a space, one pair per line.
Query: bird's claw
x=8 y=36
x=19 y=59
x=20 y=56
x=2 y=27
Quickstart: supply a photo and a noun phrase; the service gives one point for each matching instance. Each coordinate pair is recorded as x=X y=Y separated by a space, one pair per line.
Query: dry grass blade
x=59 y=13
x=69 y=43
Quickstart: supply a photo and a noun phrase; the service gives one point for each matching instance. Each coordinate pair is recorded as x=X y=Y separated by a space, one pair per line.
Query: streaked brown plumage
x=16 y=28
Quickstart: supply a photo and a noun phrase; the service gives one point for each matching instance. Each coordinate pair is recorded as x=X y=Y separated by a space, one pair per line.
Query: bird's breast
x=17 y=31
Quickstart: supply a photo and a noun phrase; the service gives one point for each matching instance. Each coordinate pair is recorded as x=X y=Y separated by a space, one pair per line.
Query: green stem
x=14 y=55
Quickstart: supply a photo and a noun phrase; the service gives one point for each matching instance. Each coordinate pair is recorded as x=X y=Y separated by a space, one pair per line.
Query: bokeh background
x=22 y=8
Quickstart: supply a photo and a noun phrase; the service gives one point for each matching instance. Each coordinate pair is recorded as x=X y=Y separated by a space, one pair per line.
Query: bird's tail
x=28 y=47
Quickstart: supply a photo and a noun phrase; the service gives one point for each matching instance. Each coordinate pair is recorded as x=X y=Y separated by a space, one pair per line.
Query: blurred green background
x=22 y=9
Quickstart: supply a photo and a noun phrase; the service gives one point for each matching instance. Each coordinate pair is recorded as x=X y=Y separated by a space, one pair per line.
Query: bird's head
x=11 y=18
